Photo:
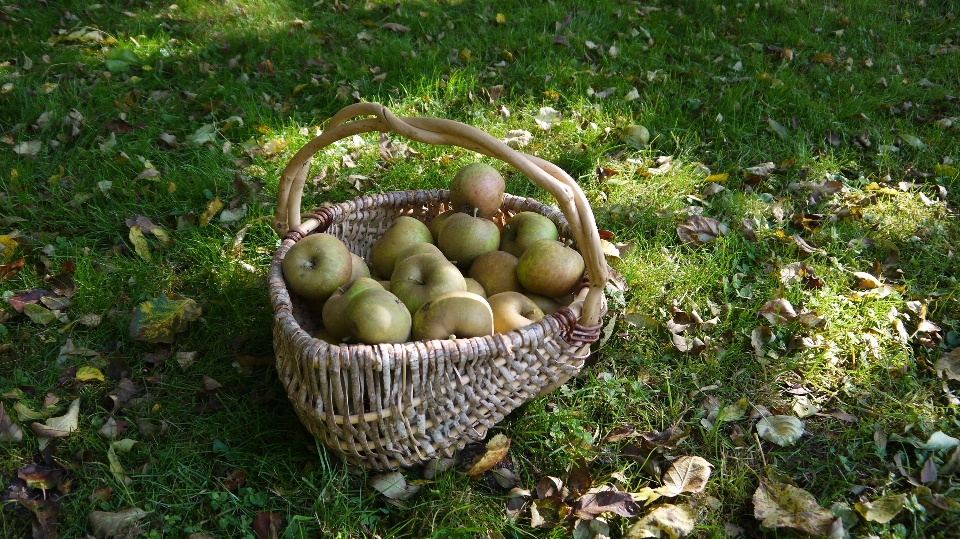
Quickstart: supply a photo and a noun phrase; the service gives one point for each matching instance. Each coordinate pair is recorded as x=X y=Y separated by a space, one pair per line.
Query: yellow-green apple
x=403 y=232
x=377 y=316
x=458 y=314
x=524 y=229
x=512 y=310
x=419 y=278
x=463 y=238
x=435 y=223
x=317 y=265
x=550 y=268
x=334 y=313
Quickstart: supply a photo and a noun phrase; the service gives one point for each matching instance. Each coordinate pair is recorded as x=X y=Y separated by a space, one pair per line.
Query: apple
x=419 y=278
x=474 y=287
x=435 y=223
x=496 y=271
x=360 y=268
x=512 y=310
x=403 y=232
x=317 y=265
x=524 y=229
x=477 y=189
x=548 y=305
x=334 y=312
x=463 y=238
x=459 y=314
x=377 y=316
x=416 y=249
x=550 y=268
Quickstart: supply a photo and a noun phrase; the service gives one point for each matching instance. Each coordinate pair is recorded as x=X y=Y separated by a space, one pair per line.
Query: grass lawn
x=783 y=362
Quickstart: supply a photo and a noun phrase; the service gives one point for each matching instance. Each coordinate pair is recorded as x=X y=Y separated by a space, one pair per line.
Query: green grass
x=707 y=79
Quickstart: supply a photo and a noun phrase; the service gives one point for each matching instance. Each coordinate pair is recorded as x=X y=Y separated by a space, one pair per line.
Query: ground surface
x=788 y=234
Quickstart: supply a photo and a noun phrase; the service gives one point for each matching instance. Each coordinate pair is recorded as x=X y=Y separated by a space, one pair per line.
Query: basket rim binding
x=365 y=431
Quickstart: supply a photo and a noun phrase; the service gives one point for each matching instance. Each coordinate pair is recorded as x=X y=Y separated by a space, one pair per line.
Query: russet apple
x=496 y=271
x=550 y=268
x=477 y=189
x=334 y=312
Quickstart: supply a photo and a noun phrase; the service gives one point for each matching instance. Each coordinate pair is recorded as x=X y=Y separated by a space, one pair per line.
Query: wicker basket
x=392 y=405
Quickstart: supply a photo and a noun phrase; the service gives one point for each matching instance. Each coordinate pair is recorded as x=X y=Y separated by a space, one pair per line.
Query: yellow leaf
x=497 y=448
x=212 y=208
x=501 y=18
x=140 y=244
x=157 y=320
x=7 y=246
x=162 y=235
x=171 y=187
x=14 y=174
x=719 y=178
x=87 y=374
x=260 y=128
x=465 y=55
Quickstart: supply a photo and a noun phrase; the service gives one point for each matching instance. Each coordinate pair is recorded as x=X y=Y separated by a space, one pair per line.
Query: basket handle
x=573 y=203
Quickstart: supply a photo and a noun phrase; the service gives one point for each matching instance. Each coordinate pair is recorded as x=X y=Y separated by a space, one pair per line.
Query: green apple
x=550 y=268
x=477 y=189
x=496 y=271
x=458 y=314
x=377 y=316
x=334 y=312
x=524 y=229
x=463 y=238
x=317 y=265
x=512 y=310
x=435 y=223
x=402 y=233
x=417 y=249
x=360 y=268
x=419 y=278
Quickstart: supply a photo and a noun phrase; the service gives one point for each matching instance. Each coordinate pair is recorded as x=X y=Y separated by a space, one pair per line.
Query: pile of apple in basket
x=459 y=276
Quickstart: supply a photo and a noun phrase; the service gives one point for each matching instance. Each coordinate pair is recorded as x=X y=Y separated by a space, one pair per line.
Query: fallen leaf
x=496 y=449
x=548 y=512
x=124 y=446
x=948 y=366
x=159 y=319
x=213 y=207
x=824 y=58
x=939 y=441
x=687 y=474
x=698 y=230
x=882 y=510
x=393 y=485
x=779 y=505
x=396 y=27
x=9 y=431
x=29 y=148
x=57 y=427
x=139 y=241
x=782 y=430
x=673 y=521
x=547 y=117
x=777 y=128
x=87 y=374
x=778 y=312
x=267 y=525
x=105 y=524
x=11 y=269
x=637 y=136
x=603 y=499
x=39 y=314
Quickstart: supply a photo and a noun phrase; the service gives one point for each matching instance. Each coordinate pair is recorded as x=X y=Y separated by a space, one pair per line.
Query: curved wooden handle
x=573 y=203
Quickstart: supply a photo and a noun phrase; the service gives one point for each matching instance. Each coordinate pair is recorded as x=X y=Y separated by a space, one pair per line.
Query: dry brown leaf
x=778 y=312
x=697 y=230
x=778 y=505
x=688 y=474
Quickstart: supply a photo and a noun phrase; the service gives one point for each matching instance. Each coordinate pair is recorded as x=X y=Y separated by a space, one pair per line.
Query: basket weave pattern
x=389 y=405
